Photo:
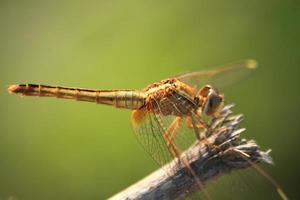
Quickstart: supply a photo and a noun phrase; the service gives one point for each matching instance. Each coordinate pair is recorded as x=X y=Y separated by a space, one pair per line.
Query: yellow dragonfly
x=168 y=115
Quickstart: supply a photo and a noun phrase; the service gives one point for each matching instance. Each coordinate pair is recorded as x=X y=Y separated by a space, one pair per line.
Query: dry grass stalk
x=226 y=153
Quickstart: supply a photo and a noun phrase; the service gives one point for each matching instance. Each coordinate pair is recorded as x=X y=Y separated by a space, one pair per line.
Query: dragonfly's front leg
x=170 y=135
x=191 y=123
x=200 y=125
x=202 y=138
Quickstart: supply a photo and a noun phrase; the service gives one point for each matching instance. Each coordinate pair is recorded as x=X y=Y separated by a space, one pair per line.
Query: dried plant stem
x=226 y=152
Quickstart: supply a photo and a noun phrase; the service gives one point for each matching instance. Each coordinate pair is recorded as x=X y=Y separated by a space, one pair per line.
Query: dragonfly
x=167 y=115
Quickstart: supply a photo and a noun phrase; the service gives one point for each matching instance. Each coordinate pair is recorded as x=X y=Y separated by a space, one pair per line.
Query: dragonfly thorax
x=171 y=97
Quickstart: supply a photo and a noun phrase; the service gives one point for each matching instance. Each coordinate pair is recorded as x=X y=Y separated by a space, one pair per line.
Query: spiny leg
x=202 y=139
x=191 y=123
x=170 y=135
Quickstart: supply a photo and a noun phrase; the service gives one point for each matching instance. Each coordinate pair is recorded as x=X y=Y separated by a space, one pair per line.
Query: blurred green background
x=54 y=149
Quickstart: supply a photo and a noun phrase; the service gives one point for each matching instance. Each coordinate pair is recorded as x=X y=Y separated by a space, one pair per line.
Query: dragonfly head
x=211 y=100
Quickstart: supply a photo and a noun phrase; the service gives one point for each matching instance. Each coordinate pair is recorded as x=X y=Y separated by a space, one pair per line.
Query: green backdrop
x=55 y=149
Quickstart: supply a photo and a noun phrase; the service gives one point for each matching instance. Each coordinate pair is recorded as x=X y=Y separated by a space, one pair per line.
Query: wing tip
x=251 y=64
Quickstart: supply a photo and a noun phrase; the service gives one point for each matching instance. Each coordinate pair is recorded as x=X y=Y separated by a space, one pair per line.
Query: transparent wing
x=250 y=183
x=150 y=134
x=243 y=184
x=220 y=77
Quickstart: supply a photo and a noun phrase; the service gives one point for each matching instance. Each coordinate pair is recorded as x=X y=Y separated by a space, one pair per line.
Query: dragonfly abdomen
x=129 y=99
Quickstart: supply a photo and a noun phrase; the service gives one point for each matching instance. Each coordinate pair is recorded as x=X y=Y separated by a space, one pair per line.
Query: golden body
x=169 y=97
x=157 y=92
x=159 y=109
x=166 y=97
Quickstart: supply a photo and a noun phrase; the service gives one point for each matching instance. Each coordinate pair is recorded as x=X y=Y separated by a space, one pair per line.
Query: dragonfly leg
x=191 y=123
x=201 y=125
x=170 y=135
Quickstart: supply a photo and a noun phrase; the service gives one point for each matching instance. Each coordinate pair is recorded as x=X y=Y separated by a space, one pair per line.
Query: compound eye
x=214 y=100
x=213 y=103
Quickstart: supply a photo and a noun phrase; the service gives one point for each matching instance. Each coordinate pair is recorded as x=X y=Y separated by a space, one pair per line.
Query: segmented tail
x=130 y=99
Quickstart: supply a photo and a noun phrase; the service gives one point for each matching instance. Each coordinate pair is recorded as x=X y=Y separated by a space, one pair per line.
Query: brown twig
x=224 y=152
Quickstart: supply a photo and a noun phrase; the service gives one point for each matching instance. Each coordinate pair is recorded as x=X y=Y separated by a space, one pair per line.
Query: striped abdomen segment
x=130 y=99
